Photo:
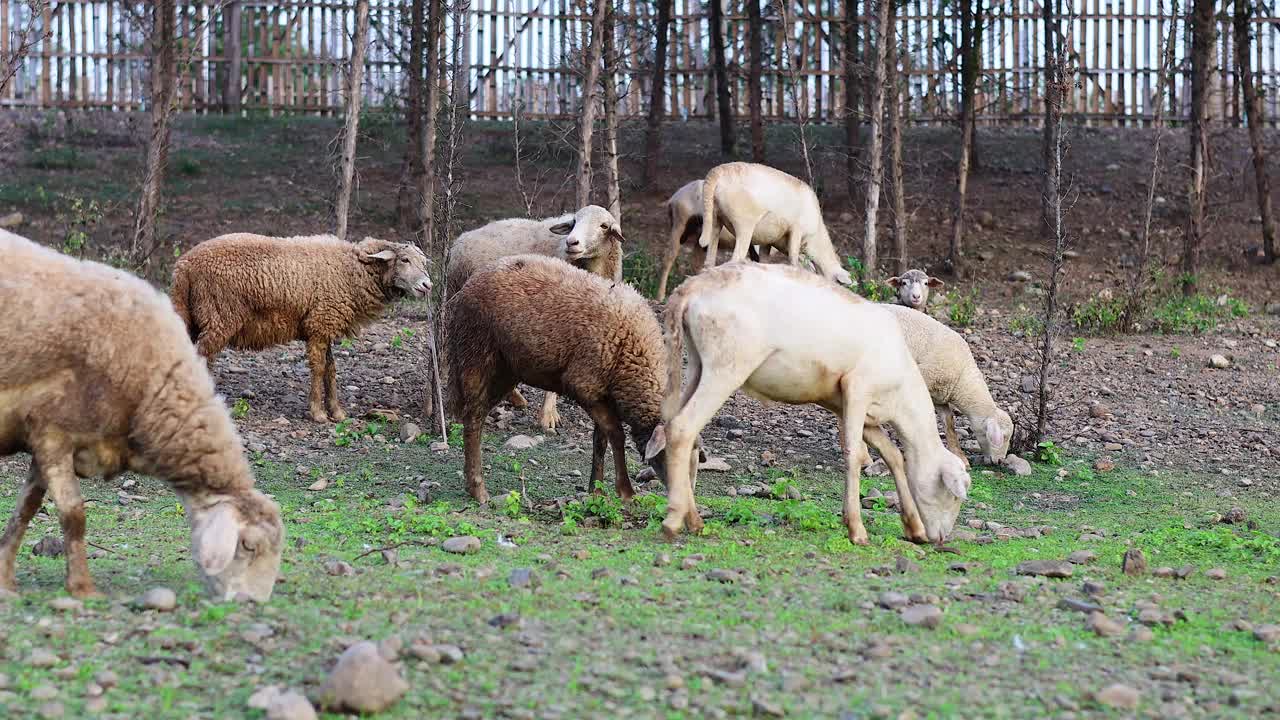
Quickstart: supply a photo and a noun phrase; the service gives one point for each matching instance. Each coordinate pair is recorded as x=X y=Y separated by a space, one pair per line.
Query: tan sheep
x=98 y=377
x=543 y=322
x=764 y=206
x=590 y=238
x=252 y=292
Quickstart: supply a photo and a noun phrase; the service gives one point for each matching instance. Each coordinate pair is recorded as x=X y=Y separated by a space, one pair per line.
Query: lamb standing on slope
x=253 y=292
x=782 y=334
x=684 y=214
x=590 y=239
x=540 y=321
x=767 y=207
x=912 y=288
x=98 y=377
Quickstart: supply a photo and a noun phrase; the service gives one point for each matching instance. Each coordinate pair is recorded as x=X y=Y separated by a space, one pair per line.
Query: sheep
x=764 y=206
x=253 y=292
x=590 y=238
x=684 y=213
x=954 y=381
x=98 y=377
x=912 y=288
x=783 y=334
x=543 y=322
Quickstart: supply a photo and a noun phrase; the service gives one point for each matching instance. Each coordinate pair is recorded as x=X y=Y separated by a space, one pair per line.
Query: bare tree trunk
x=852 y=121
x=231 y=92
x=412 y=170
x=875 y=149
x=23 y=40
x=613 y=179
x=897 y=194
x=431 y=107
x=163 y=69
x=724 y=108
x=1203 y=37
x=755 y=26
x=355 y=81
x=970 y=57
x=587 y=114
x=657 y=96
x=1254 y=117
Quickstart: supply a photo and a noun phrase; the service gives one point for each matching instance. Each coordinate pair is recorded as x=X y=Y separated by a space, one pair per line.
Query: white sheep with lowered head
x=684 y=215
x=98 y=377
x=954 y=381
x=783 y=334
x=911 y=288
x=764 y=206
x=590 y=239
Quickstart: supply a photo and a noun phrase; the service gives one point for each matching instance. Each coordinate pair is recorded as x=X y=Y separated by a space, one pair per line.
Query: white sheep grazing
x=590 y=238
x=684 y=212
x=783 y=334
x=767 y=207
x=954 y=381
x=98 y=377
x=913 y=288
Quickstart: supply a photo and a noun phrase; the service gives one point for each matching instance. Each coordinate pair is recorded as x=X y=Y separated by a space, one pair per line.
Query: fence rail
x=523 y=56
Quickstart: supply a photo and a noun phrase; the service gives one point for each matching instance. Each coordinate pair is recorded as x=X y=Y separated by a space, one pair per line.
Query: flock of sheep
x=103 y=374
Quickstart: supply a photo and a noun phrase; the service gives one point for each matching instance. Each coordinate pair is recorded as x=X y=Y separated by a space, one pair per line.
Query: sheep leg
x=912 y=526
x=682 y=436
x=598 y=440
x=609 y=428
x=550 y=417
x=673 y=250
x=742 y=233
x=949 y=427
x=473 y=427
x=211 y=341
x=316 y=353
x=60 y=478
x=855 y=414
x=516 y=399
x=332 y=401
x=29 y=500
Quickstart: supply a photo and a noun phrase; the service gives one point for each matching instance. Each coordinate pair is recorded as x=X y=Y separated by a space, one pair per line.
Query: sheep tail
x=708 y=208
x=180 y=296
x=673 y=321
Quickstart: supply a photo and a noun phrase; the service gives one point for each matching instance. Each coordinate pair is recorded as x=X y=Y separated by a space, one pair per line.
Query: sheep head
x=913 y=288
x=993 y=434
x=401 y=266
x=654 y=449
x=939 y=492
x=236 y=542
x=589 y=234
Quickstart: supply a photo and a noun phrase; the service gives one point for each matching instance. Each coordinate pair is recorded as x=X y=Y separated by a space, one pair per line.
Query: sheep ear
x=616 y=232
x=895 y=281
x=995 y=434
x=214 y=538
x=384 y=256
x=657 y=443
x=562 y=229
x=935 y=282
x=957 y=482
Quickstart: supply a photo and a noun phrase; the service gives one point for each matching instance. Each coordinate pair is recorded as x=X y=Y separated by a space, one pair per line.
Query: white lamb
x=684 y=213
x=767 y=207
x=782 y=334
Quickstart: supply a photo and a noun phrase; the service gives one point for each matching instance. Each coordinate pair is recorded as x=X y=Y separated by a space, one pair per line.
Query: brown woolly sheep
x=543 y=322
x=98 y=377
x=590 y=238
x=253 y=292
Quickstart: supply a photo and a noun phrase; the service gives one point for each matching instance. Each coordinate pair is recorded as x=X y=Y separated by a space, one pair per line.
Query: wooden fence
x=288 y=56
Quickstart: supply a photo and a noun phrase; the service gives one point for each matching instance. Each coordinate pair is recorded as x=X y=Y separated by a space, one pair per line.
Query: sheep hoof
x=859 y=537
x=319 y=416
x=85 y=592
x=337 y=415
x=550 y=419
x=517 y=400
x=671 y=529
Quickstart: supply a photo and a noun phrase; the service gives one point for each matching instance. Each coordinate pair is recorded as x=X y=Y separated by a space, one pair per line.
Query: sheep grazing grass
x=912 y=288
x=253 y=292
x=98 y=377
x=540 y=321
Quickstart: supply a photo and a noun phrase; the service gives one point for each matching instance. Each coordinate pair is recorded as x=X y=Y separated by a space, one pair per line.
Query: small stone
x=1082 y=557
x=521 y=578
x=691 y=562
x=317 y=486
x=1121 y=697
x=1141 y=634
x=107 y=679
x=1077 y=605
x=44 y=692
x=766 y=708
x=928 y=616
x=461 y=545
x=904 y=566
x=1185 y=572
x=52 y=711
x=662 y=559
x=409 y=432
x=1267 y=633
x=11 y=221
x=362 y=681
x=160 y=599
x=42 y=658
x=724 y=576
x=1216 y=574
x=1019 y=466
x=48 y=546
x=521 y=442
x=439 y=446
x=1154 y=616
x=66 y=604
x=262 y=697
x=646 y=475
x=1019 y=276
x=1103 y=626
x=1045 y=568
x=715 y=465
x=1134 y=562
x=1164 y=571
x=1219 y=362
x=1093 y=588
x=291 y=706
x=1104 y=465
x=893 y=600
x=1235 y=516
x=966 y=629
x=338 y=568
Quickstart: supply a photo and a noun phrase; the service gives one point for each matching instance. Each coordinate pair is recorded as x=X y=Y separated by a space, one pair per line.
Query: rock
x=338 y=568
x=766 y=708
x=928 y=616
x=1077 y=605
x=290 y=706
x=11 y=221
x=1164 y=571
x=66 y=604
x=904 y=566
x=42 y=658
x=317 y=486
x=985 y=218
x=362 y=681
x=1103 y=626
x=1184 y=572
x=1098 y=410
x=879 y=468
x=160 y=599
x=1216 y=574
x=691 y=561
x=715 y=465
x=662 y=559
x=1019 y=276
x=1235 y=516
x=440 y=446
x=1219 y=362
x=409 y=432
x=52 y=711
x=521 y=442
x=1154 y=616
x=1019 y=466
x=1121 y=697
x=107 y=679
x=893 y=600
x=1082 y=557
x=724 y=576
x=1134 y=562
x=646 y=475
x=728 y=422
x=48 y=547
x=1104 y=465
x=521 y=578
x=1267 y=633
x=1045 y=568
x=461 y=545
